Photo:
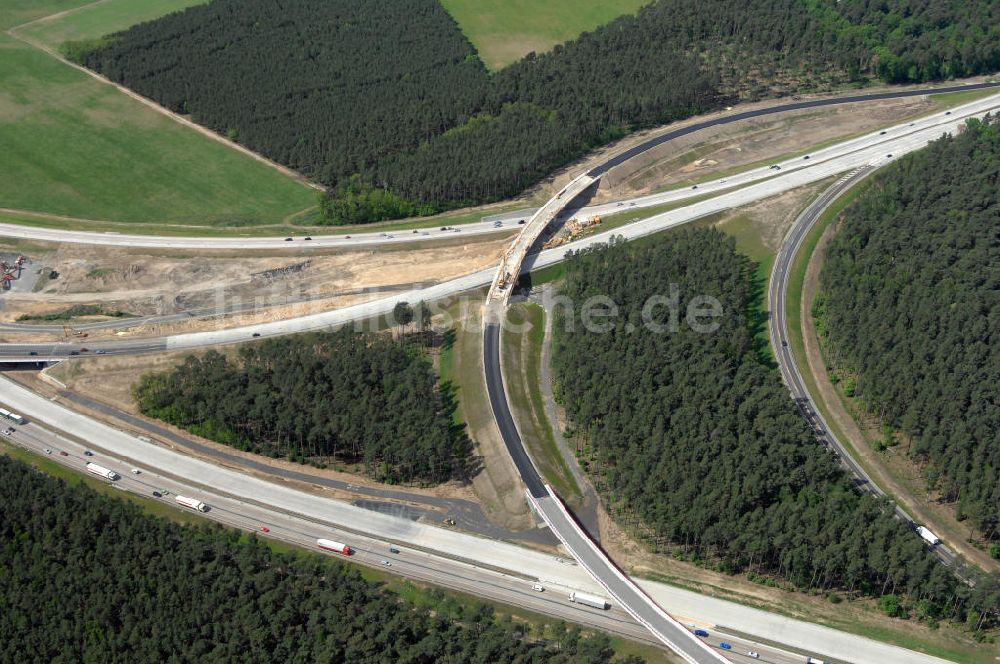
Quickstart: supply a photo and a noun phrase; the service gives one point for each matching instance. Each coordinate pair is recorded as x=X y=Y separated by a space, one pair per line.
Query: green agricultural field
x=101 y=18
x=17 y=12
x=505 y=30
x=76 y=147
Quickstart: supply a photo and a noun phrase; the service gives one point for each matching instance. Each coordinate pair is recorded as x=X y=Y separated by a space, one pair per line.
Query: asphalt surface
x=502 y=414
x=777 y=300
x=508 y=221
x=871 y=149
x=619 y=159
x=467 y=514
x=307 y=515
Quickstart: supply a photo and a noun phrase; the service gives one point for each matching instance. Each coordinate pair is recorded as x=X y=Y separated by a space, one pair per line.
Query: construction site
x=62 y=290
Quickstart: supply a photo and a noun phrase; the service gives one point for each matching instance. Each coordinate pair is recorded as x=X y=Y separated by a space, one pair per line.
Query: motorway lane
x=363 y=240
x=412 y=563
x=878 y=154
x=514 y=589
x=347 y=521
x=501 y=412
x=813 y=103
x=777 y=301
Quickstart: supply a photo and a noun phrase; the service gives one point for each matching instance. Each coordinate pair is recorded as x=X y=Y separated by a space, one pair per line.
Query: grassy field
x=73 y=146
x=98 y=19
x=522 y=360
x=505 y=30
x=16 y=12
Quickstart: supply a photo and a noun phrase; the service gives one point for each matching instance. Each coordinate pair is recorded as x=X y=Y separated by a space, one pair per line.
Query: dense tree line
x=910 y=305
x=692 y=432
x=353 y=398
x=88 y=578
x=386 y=102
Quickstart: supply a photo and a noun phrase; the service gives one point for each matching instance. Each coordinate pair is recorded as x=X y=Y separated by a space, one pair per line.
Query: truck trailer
x=589 y=600
x=336 y=547
x=106 y=473
x=193 y=503
x=928 y=536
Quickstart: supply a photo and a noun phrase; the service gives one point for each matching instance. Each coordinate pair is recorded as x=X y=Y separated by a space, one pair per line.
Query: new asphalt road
x=873 y=149
x=507 y=221
x=777 y=301
x=474 y=564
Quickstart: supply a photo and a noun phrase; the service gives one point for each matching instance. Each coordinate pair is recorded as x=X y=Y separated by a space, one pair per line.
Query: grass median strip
x=522 y=360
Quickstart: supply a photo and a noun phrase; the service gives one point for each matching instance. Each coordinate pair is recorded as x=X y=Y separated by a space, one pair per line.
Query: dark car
x=806 y=157
x=33 y=353
x=881 y=133
x=88 y=453
x=725 y=646
x=256 y=334
x=288 y=239
x=74 y=352
x=695 y=187
x=700 y=632
x=307 y=238
x=63 y=453
x=157 y=494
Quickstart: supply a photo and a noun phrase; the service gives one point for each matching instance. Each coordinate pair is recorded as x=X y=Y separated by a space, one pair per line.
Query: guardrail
x=622 y=578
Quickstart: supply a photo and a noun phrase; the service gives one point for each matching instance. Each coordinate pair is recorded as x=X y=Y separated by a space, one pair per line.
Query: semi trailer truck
x=336 y=547
x=928 y=536
x=192 y=503
x=101 y=471
x=589 y=600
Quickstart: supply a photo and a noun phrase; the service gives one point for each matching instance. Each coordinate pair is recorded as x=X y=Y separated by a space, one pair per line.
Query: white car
x=136 y=471
x=47 y=451
x=537 y=587
x=387 y=563
x=8 y=431
x=753 y=654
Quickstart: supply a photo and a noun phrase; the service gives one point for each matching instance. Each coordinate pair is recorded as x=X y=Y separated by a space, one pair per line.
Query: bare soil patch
x=146 y=283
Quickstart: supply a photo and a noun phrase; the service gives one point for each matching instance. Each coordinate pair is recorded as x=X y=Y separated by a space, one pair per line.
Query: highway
x=896 y=141
x=625 y=592
x=485 y=567
x=790 y=373
x=508 y=221
x=638 y=601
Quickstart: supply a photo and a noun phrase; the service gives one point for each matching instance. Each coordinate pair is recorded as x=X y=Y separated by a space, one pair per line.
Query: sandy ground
x=769 y=220
x=148 y=283
x=733 y=146
x=891 y=470
x=850 y=119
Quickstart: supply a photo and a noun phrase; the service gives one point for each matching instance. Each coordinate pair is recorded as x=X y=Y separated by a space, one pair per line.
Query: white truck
x=106 y=473
x=193 y=503
x=589 y=600
x=336 y=547
x=928 y=536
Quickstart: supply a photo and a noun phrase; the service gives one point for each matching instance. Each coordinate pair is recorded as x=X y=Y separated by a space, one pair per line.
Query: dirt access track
x=272 y=287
